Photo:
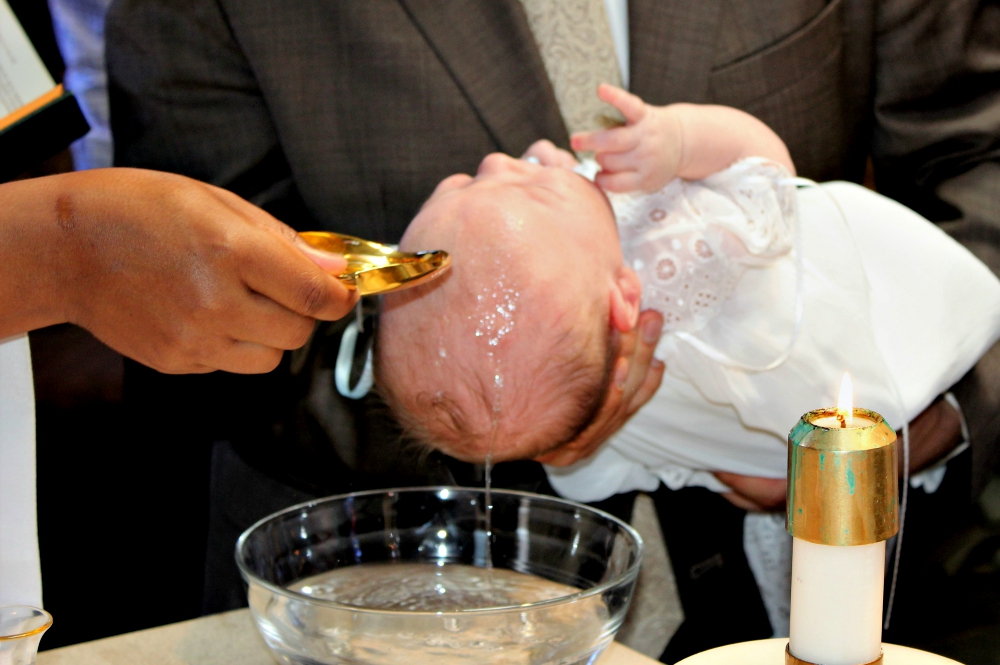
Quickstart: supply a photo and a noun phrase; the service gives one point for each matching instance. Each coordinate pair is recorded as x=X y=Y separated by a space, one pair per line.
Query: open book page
x=25 y=83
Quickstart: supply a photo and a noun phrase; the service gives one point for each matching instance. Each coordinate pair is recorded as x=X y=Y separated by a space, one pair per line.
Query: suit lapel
x=488 y=48
x=671 y=44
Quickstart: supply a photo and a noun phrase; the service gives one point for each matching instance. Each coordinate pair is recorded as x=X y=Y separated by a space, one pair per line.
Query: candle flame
x=845 y=404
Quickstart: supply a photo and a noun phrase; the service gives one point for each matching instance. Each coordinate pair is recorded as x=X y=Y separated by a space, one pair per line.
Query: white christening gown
x=770 y=291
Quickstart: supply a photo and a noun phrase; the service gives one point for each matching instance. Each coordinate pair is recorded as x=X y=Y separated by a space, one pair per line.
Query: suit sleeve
x=937 y=149
x=185 y=100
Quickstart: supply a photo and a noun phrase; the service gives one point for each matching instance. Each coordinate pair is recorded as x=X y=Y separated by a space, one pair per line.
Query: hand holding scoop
x=376 y=268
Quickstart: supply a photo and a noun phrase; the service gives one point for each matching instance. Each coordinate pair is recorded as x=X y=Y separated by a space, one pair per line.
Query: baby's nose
x=498 y=162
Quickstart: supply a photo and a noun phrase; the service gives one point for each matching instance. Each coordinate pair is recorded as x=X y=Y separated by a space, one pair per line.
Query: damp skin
x=496 y=317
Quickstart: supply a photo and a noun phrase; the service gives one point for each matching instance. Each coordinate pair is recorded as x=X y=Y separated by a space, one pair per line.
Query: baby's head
x=519 y=338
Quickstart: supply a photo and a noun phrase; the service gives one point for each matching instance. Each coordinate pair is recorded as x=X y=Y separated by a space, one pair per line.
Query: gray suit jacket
x=344 y=114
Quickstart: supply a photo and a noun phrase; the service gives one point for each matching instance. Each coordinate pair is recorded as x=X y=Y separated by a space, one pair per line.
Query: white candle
x=836 y=611
x=841 y=509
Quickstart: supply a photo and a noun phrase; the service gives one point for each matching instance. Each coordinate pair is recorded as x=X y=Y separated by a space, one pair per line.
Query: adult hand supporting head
x=179 y=275
x=637 y=376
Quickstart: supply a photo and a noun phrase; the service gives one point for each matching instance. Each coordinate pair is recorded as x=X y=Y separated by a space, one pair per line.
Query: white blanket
x=888 y=297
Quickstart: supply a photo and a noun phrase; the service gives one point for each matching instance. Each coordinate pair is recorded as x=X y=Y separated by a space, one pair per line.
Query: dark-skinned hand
x=177 y=274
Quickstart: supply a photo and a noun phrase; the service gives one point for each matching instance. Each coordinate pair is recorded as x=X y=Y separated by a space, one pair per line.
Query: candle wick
x=840 y=419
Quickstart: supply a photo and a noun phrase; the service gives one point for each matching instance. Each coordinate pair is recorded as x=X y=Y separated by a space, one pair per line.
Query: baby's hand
x=547 y=154
x=660 y=143
x=644 y=155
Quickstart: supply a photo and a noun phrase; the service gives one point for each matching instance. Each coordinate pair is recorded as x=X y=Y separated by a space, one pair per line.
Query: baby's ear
x=626 y=297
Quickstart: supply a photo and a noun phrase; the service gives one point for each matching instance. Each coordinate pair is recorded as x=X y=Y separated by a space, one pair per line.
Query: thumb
x=331 y=263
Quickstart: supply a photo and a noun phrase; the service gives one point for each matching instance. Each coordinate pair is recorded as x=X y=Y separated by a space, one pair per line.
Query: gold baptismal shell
x=376 y=268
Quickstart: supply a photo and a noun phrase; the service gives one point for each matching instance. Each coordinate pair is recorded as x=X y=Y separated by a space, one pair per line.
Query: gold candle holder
x=842 y=507
x=842 y=486
x=378 y=268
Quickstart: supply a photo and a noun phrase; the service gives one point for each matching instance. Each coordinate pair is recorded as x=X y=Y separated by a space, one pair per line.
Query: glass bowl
x=404 y=576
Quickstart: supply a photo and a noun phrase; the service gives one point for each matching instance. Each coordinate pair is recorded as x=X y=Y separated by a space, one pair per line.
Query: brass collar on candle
x=842 y=487
x=792 y=660
x=376 y=268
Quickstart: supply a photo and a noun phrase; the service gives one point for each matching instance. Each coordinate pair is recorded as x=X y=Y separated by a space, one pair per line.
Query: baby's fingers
x=633 y=108
x=619 y=139
x=624 y=181
x=619 y=162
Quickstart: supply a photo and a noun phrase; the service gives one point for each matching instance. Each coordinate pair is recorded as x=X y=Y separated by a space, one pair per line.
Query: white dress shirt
x=618 y=21
x=20 y=575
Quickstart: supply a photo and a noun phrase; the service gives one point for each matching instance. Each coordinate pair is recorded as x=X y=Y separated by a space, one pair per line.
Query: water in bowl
x=441 y=630
x=428 y=587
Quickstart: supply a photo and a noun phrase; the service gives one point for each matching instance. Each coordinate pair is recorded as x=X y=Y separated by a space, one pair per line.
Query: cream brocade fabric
x=574 y=39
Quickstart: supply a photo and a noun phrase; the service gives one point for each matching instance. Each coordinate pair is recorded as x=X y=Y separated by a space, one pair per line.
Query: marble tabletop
x=221 y=639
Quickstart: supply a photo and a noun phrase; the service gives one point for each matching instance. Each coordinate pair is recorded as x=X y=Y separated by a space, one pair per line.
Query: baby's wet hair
x=432 y=418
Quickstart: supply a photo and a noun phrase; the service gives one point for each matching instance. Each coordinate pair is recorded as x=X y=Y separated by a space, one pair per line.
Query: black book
x=38 y=117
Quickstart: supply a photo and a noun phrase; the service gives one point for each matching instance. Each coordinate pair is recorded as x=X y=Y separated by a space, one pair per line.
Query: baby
x=768 y=294
x=508 y=351
x=512 y=351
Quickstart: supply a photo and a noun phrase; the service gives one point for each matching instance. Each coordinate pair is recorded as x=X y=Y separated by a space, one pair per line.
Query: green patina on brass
x=842 y=486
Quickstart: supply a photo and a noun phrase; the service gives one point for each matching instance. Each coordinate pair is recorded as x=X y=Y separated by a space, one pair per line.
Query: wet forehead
x=540 y=190
x=514 y=204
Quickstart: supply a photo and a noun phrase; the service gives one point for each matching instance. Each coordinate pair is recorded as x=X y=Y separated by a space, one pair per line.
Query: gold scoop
x=376 y=268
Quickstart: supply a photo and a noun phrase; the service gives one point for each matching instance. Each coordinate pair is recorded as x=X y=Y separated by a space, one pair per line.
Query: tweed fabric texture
x=574 y=40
